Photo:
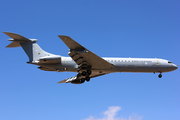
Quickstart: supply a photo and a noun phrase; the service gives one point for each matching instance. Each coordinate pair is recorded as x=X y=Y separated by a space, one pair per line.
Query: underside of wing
x=79 y=79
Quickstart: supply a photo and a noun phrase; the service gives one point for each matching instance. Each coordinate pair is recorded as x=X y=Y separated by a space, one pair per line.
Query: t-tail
x=32 y=49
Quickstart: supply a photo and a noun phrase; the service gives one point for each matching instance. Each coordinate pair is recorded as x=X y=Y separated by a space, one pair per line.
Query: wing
x=84 y=57
x=77 y=79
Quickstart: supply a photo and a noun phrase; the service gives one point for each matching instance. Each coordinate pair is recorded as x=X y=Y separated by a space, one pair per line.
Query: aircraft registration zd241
x=87 y=64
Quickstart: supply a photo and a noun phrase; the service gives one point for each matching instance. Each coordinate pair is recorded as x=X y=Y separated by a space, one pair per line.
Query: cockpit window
x=169 y=62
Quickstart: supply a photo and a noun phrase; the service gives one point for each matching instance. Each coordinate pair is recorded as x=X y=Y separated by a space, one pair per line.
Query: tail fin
x=30 y=46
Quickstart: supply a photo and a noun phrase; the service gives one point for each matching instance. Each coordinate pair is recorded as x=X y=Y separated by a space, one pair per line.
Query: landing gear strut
x=160 y=75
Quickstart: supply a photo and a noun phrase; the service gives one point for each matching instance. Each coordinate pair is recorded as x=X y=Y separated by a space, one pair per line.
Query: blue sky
x=116 y=28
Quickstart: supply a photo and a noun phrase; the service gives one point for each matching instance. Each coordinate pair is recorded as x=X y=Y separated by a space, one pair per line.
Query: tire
x=82 y=80
x=83 y=73
x=87 y=79
x=160 y=75
x=89 y=72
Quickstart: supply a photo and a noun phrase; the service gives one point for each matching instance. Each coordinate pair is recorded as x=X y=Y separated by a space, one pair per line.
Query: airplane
x=86 y=63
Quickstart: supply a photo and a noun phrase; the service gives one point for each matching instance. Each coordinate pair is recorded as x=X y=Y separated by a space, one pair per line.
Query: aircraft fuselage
x=149 y=65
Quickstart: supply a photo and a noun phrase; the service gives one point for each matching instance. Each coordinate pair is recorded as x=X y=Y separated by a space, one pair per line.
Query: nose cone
x=175 y=67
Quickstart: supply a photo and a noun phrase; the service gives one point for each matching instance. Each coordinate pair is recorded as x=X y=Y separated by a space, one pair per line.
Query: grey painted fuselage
x=149 y=65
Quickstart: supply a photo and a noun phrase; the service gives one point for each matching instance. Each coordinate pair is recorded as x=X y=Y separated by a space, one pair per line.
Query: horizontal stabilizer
x=16 y=36
x=17 y=39
x=14 y=44
x=32 y=49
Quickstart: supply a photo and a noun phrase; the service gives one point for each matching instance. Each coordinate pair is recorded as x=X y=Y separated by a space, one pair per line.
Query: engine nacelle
x=50 y=59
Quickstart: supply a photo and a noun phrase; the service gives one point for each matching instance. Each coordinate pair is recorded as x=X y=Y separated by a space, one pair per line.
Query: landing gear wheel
x=160 y=75
x=87 y=79
x=83 y=73
x=82 y=80
x=89 y=72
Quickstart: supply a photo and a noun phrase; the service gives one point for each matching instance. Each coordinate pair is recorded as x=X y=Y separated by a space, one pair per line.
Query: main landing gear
x=85 y=79
x=86 y=73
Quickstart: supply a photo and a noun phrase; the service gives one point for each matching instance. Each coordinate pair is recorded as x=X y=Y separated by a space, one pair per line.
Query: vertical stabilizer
x=32 y=49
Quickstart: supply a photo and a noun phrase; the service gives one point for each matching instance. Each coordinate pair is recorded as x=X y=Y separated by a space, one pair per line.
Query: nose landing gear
x=160 y=75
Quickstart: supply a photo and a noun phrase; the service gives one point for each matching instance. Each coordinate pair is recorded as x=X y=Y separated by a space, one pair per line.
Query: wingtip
x=60 y=36
x=63 y=36
x=9 y=33
x=63 y=81
x=6 y=32
x=60 y=82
